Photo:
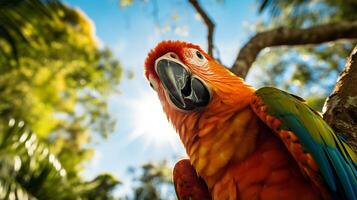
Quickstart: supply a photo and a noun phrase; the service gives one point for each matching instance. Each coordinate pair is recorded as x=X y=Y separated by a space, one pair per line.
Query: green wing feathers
x=335 y=159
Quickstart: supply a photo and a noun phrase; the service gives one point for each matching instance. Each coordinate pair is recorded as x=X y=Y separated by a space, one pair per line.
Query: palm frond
x=15 y=15
x=27 y=168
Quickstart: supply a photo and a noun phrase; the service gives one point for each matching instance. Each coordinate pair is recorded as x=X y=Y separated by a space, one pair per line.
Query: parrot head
x=171 y=69
x=188 y=81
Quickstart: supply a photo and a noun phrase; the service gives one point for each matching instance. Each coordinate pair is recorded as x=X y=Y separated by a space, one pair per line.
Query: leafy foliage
x=28 y=169
x=301 y=11
x=56 y=78
x=153 y=182
x=304 y=70
x=14 y=15
x=70 y=72
x=100 y=188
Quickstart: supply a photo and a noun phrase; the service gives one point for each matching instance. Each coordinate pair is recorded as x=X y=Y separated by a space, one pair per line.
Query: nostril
x=174 y=56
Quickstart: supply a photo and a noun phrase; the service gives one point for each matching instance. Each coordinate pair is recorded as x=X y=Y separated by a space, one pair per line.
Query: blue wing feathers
x=344 y=172
x=315 y=149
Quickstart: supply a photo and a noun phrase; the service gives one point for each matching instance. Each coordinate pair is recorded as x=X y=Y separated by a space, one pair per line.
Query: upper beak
x=185 y=91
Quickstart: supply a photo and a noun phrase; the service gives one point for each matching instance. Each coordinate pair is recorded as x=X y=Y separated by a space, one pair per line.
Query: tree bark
x=208 y=22
x=340 y=109
x=290 y=36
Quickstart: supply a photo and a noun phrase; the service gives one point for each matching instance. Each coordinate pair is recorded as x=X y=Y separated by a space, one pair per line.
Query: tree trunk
x=340 y=109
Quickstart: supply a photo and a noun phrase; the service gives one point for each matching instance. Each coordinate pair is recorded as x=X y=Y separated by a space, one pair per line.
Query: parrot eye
x=196 y=57
x=151 y=85
x=199 y=55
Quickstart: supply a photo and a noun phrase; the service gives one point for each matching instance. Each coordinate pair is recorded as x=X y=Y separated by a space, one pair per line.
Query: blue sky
x=131 y=32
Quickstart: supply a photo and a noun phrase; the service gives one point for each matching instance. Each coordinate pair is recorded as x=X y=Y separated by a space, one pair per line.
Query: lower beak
x=185 y=91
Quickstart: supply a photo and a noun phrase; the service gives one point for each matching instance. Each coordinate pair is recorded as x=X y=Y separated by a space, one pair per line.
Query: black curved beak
x=185 y=91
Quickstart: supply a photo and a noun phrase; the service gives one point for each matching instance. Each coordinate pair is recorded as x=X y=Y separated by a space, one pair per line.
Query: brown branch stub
x=290 y=36
x=209 y=24
x=341 y=106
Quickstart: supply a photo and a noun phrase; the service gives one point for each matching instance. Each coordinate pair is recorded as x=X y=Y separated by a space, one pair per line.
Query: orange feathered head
x=188 y=80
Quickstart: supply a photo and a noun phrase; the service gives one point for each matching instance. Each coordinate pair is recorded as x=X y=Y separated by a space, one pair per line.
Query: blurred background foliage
x=55 y=78
x=304 y=70
x=152 y=181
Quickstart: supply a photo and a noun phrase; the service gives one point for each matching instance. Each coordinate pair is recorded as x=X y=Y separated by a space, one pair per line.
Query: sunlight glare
x=150 y=122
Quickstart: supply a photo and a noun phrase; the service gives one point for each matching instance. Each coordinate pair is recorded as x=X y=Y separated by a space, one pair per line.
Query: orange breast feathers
x=221 y=140
x=240 y=157
x=267 y=173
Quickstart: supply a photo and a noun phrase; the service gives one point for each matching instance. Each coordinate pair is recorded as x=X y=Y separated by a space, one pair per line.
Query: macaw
x=245 y=143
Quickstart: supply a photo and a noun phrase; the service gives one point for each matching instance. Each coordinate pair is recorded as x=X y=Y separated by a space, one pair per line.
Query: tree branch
x=341 y=106
x=209 y=24
x=290 y=36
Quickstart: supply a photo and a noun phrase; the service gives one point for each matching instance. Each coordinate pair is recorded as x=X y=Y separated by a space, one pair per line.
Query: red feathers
x=164 y=47
x=188 y=184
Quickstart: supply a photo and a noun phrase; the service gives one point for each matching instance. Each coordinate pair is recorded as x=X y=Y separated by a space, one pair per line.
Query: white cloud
x=162 y=30
x=182 y=31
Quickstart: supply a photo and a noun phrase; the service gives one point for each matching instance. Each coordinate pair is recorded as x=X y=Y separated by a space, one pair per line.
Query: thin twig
x=209 y=24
